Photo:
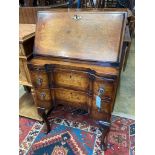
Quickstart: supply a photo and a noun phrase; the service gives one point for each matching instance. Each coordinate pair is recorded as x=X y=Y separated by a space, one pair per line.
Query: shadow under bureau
x=77 y=63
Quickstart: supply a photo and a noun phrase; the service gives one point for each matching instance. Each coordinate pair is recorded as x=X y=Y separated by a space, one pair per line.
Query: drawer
x=74 y=79
x=72 y=98
x=43 y=94
x=107 y=85
x=42 y=102
x=39 y=77
x=106 y=105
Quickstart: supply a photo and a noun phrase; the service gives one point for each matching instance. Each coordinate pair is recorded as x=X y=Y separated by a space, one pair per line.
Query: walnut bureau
x=77 y=62
x=26 y=43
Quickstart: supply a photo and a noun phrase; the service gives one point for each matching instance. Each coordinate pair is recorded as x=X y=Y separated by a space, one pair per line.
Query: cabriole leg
x=105 y=127
x=41 y=112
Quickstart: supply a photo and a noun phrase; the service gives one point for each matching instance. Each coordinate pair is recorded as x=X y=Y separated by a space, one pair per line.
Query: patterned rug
x=25 y=125
x=75 y=135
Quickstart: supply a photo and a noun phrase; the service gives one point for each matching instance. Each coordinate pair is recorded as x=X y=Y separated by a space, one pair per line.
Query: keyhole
x=70 y=76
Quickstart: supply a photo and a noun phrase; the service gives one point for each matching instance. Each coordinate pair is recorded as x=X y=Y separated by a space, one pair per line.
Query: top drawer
x=39 y=76
x=105 y=87
x=72 y=79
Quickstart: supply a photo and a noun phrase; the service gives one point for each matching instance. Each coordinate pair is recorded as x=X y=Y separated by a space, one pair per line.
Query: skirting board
x=124 y=115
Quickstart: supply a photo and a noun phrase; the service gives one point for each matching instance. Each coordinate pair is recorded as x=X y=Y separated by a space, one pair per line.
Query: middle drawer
x=71 y=79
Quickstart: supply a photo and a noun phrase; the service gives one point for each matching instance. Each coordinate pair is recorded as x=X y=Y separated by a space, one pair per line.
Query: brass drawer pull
x=42 y=95
x=101 y=92
x=39 y=81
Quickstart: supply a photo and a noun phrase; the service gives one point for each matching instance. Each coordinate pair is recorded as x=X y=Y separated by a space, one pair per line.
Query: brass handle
x=101 y=91
x=42 y=95
x=76 y=17
x=39 y=81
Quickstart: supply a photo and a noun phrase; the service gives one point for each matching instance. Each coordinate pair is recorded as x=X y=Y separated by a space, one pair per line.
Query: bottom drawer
x=43 y=94
x=71 y=98
x=45 y=102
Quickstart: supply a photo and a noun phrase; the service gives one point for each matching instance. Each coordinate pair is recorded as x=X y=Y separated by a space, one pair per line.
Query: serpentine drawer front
x=73 y=87
x=77 y=61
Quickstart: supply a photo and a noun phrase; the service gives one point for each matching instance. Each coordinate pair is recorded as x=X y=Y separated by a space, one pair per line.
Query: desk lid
x=81 y=35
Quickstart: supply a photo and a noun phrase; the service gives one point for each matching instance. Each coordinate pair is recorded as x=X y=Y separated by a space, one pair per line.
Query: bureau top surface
x=98 y=69
x=26 y=31
x=82 y=35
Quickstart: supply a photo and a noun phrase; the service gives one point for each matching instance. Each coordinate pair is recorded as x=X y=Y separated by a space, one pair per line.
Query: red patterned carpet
x=75 y=135
x=25 y=125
